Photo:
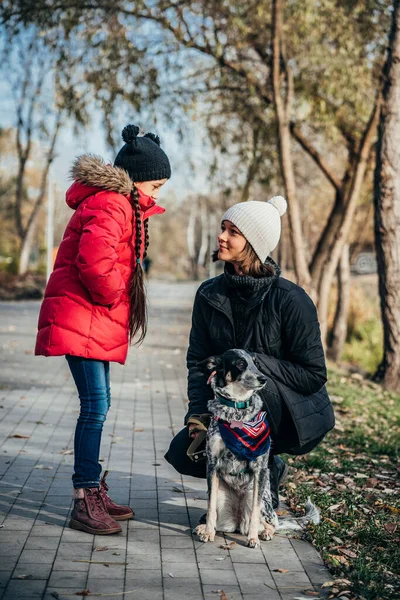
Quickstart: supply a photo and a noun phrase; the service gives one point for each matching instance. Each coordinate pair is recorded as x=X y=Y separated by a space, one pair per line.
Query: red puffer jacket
x=85 y=311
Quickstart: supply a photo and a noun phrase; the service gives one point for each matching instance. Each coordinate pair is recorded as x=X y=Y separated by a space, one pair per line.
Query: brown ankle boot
x=116 y=511
x=90 y=514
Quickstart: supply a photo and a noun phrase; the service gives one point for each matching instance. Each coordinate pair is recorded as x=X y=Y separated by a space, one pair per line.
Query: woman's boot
x=90 y=513
x=116 y=511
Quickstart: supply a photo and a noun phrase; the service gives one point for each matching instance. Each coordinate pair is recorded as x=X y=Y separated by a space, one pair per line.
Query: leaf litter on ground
x=353 y=477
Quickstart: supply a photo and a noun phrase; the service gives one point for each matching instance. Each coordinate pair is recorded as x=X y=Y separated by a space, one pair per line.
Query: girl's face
x=231 y=242
x=150 y=188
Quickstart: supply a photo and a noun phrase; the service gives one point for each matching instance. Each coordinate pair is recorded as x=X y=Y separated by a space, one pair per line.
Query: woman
x=251 y=306
x=95 y=300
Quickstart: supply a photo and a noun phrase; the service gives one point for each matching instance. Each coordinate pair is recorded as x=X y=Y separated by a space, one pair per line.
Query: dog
x=237 y=448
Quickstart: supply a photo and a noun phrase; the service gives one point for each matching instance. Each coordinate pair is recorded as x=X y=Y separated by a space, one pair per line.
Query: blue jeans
x=92 y=378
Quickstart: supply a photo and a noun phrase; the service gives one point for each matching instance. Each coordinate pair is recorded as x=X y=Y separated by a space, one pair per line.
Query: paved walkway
x=156 y=557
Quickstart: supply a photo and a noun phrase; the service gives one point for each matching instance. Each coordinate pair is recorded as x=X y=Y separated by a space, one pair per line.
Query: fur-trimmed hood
x=89 y=173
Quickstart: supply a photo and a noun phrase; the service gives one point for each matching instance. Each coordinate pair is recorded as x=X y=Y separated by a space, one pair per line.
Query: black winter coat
x=284 y=335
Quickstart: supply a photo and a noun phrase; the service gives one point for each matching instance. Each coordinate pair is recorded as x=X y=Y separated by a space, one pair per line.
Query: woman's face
x=150 y=188
x=231 y=242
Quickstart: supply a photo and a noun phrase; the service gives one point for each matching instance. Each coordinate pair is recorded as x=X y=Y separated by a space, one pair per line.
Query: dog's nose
x=262 y=379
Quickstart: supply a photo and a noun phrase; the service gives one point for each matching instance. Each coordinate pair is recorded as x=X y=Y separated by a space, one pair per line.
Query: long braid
x=146 y=237
x=137 y=291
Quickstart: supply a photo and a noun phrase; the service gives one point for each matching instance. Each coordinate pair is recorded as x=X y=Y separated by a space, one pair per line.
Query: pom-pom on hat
x=142 y=156
x=259 y=222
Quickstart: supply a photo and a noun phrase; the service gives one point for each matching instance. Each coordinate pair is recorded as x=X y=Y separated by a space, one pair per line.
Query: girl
x=251 y=306
x=95 y=300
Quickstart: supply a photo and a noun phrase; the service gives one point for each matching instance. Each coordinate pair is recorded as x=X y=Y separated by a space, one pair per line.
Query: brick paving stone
x=68 y=579
x=254 y=578
x=148 y=405
x=24 y=590
x=182 y=589
x=32 y=571
x=232 y=591
x=180 y=569
x=218 y=577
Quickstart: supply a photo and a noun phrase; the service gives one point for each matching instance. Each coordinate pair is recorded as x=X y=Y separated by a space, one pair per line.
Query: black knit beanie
x=142 y=156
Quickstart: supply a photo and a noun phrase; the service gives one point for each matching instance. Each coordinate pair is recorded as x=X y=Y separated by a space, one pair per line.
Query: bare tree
x=283 y=107
x=387 y=210
x=339 y=328
x=35 y=120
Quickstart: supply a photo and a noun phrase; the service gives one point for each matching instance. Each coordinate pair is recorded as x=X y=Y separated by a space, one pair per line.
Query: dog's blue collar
x=232 y=403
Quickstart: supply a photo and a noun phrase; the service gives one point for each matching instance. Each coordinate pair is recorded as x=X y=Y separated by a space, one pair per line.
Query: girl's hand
x=193 y=431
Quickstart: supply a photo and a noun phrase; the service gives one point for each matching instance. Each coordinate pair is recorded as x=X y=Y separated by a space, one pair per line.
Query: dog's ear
x=209 y=364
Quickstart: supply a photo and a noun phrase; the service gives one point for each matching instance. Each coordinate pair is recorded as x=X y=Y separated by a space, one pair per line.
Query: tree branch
x=316 y=156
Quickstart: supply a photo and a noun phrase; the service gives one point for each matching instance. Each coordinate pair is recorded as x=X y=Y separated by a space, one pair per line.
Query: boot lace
x=96 y=502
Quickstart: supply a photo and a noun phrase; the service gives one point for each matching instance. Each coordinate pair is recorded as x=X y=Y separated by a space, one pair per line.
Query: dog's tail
x=312 y=515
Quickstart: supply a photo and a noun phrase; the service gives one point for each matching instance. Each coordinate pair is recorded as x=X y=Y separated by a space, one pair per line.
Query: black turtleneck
x=243 y=291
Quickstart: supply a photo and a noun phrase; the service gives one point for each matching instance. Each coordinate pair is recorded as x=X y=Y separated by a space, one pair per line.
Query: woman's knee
x=178 y=458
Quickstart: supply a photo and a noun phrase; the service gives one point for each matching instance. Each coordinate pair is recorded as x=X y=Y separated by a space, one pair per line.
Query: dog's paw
x=204 y=535
x=268 y=532
x=253 y=542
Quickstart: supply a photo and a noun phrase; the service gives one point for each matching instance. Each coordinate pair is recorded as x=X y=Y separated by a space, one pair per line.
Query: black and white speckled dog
x=239 y=494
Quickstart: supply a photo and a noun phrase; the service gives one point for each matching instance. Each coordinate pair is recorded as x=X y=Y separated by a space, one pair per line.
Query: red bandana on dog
x=246 y=439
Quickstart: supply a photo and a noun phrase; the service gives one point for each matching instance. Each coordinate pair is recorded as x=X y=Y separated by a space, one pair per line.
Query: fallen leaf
x=43 y=467
x=220 y=558
x=171 y=574
x=372 y=482
x=19 y=436
x=116 y=553
x=223 y=595
x=101 y=549
x=84 y=593
x=281 y=570
x=347 y=552
x=337 y=540
x=66 y=452
x=390 y=527
x=139 y=429
x=227 y=546
x=338 y=560
x=334 y=507
x=328 y=584
x=311 y=593
x=328 y=520
x=391 y=508
x=156 y=464
x=25 y=577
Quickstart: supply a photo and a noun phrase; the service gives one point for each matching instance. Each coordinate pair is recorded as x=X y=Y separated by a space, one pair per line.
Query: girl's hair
x=137 y=290
x=250 y=264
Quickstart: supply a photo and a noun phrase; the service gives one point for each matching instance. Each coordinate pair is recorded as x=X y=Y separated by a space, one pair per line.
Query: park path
x=155 y=557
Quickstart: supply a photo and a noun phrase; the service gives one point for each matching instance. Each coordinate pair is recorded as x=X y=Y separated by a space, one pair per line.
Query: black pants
x=177 y=457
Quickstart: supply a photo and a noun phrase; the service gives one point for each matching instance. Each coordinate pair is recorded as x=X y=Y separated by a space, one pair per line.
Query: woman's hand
x=193 y=431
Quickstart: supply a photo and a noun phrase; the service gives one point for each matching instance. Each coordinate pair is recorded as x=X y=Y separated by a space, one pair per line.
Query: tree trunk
x=339 y=329
x=282 y=111
x=28 y=233
x=191 y=241
x=253 y=167
x=26 y=248
x=343 y=231
x=387 y=211
x=322 y=249
x=204 y=235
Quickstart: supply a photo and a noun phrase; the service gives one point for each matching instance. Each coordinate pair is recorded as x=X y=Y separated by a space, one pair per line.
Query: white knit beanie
x=259 y=222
